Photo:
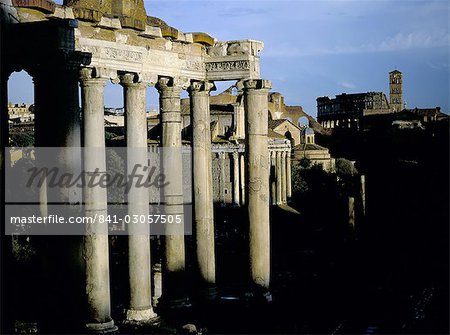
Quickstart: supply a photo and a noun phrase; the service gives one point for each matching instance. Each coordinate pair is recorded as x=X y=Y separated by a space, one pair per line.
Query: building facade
x=396 y=91
x=348 y=110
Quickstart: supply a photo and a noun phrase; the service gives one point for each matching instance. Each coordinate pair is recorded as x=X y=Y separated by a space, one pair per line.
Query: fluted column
x=202 y=180
x=273 y=177
x=257 y=152
x=236 y=178
x=279 y=178
x=289 y=175
x=140 y=306
x=174 y=257
x=96 y=249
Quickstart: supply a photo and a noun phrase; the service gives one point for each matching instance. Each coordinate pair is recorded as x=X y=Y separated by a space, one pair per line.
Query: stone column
x=202 y=180
x=257 y=152
x=273 y=176
x=140 y=308
x=362 y=193
x=157 y=284
x=242 y=179
x=289 y=175
x=174 y=257
x=4 y=131
x=351 y=212
x=96 y=247
x=222 y=176
x=57 y=125
x=57 y=103
x=236 y=178
x=279 y=179
x=283 y=178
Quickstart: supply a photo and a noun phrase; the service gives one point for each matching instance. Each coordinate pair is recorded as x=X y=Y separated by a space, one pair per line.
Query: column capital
x=235 y=155
x=257 y=84
x=273 y=154
x=283 y=153
x=240 y=86
x=168 y=85
x=89 y=76
x=132 y=80
x=199 y=86
x=221 y=155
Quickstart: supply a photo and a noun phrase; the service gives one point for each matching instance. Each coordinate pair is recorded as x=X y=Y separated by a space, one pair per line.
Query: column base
x=141 y=315
x=260 y=295
x=208 y=293
x=175 y=304
x=102 y=328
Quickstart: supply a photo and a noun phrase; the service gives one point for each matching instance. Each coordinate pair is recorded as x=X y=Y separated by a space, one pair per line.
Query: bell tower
x=396 y=91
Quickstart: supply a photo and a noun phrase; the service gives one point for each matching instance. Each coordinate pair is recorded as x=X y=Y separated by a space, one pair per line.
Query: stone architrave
x=257 y=152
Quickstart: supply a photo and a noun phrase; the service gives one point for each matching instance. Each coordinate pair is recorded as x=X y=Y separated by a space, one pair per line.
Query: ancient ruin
x=87 y=43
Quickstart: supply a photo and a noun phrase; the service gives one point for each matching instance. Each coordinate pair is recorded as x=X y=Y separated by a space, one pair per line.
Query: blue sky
x=317 y=48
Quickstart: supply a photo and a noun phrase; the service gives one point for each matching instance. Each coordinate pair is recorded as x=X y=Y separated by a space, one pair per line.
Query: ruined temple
x=81 y=45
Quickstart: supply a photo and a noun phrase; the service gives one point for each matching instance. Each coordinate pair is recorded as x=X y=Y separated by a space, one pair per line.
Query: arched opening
x=21 y=109
x=288 y=136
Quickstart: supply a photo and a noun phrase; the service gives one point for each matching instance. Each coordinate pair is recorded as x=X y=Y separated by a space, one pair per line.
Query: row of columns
x=238 y=174
x=256 y=171
x=281 y=188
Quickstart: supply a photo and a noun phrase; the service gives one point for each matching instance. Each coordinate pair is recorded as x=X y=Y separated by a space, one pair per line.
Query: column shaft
x=351 y=212
x=289 y=175
x=279 y=179
x=257 y=152
x=283 y=178
x=96 y=247
x=242 y=179
x=222 y=176
x=140 y=308
x=273 y=177
x=362 y=192
x=236 y=172
x=174 y=258
x=202 y=180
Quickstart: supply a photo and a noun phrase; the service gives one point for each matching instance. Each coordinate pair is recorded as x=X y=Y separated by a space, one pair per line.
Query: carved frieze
x=114 y=53
x=237 y=65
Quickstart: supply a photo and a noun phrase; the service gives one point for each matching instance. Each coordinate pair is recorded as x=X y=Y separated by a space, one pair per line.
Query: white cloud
x=347 y=84
x=397 y=42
